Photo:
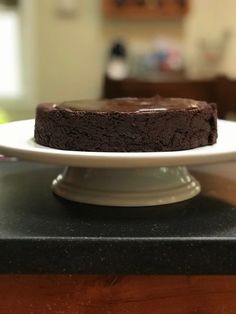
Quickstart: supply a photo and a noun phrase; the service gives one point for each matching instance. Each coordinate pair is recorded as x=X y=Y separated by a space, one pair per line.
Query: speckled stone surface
x=42 y=233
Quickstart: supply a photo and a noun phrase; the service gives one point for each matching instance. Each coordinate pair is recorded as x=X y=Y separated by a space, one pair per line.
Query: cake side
x=142 y=131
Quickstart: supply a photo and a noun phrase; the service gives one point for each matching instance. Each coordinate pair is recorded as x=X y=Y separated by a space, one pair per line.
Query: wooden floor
x=117 y=294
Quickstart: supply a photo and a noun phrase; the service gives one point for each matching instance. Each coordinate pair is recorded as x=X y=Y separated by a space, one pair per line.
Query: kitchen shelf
x=150 y=9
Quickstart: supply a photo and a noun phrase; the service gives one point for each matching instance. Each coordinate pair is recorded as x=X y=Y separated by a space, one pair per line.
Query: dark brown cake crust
x=127 y=125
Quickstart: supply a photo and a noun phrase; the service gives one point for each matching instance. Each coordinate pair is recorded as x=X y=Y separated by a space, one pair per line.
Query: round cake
x=126 y=125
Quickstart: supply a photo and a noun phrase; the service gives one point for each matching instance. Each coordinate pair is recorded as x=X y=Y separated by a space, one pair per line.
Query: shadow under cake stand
x=120 y=179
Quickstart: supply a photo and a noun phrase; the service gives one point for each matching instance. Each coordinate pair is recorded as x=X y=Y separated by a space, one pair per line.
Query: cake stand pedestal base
x=126 y=187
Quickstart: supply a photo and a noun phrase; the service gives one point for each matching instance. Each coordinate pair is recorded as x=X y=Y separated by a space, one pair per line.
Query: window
x=10 y=78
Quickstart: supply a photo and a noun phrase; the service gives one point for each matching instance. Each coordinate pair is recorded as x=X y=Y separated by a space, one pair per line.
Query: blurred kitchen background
x=54 y=50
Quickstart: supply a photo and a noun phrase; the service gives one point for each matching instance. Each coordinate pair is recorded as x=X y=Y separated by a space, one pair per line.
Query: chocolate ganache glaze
x=131 y=104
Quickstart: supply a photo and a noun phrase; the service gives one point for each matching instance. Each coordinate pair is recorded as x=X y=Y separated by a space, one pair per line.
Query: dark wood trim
x=118 y=294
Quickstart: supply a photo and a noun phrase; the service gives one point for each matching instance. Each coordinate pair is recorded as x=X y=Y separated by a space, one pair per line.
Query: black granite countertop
x=42 y=233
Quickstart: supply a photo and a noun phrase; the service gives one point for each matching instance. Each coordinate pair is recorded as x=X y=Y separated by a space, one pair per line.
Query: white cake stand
x=120 y=179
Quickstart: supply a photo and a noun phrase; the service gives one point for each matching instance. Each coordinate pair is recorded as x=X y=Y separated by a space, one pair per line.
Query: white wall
x=69 y=59
x=208 y=19
x=72 y=52
x=65 y=58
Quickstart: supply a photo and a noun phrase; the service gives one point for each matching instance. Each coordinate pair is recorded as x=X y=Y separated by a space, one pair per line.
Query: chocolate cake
x=127 y=125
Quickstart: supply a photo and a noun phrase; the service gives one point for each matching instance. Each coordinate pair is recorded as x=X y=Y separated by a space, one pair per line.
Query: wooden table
x=124 y=293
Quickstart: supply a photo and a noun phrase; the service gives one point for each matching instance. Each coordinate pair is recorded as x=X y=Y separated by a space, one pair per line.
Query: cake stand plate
x=119 y=179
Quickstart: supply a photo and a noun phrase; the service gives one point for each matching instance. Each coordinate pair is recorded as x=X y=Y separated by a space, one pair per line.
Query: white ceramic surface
x=16 y=139
x=126 y=187
x=120 y=179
